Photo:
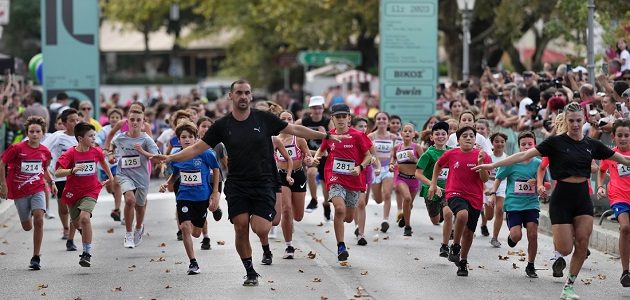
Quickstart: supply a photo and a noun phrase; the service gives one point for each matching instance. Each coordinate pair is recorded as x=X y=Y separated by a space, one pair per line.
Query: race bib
x=383 y=146
x=291 y=149
x=443 y=174
x=190 y=178
x=404 y=156
x=523 y=188
x=623 y=170
x=343 y=166
x=31 y=167
x=130 y=162
x=89 y=168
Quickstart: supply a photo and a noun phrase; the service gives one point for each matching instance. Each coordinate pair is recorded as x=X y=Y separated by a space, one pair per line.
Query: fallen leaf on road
x=323 y=298
x=510 y=252
x=317 y=279
x=375 y=239
x=318 y=240
x=320 y=224
x=5 y=242
x=167 y=271
x=2 y=253
x=273 y=289
x=327 y=231
x=481 y=267
x=110 y=231
x=4 y=226
x=344 y=264
x=415 y=258
x=167 y=287
x=364 y=273
x=118 y=289
x=431 y=238
x=361 y=293
x=42 y=286
x=77 y=298
x=163 y=245
x=503 y=257
x=514 y=266
x=178 y=262
x=587 y=281
x=43 y=294
x=311 y=255
x=132 y=266
x=159 y=259
x=521 y=253
x=270 y=281
x=521 y=259
x=220 y=243
x=386 y=237
x=301 y=271
x=601 y=276
x=377 y=228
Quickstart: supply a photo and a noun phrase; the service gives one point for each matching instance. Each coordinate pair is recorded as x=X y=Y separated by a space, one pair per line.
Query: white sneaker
x=50 y=216
x=137 y=236
x=272 y=233
x=129 y=240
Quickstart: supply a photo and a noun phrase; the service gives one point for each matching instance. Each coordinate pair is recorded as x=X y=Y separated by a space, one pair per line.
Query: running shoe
x=327 y=212
x=558 y=266
x=362 y=241
x=205 y=244
x=50 y=216
x=454 y=253
x=311 y=206
x=289 y=252
x=444 y=250
x=36 y=266
x=267 y=258
x=251 y=279
x=568 y=293
x=137 y=236
x=530 y=270
x=511 y=243
x=70 y=246
x=484 y=230
x=342 y=253
x=129 y=241
x=462 y=268
x=384 y=226
x=625 y=278
x=400 y=219
x=217 y=214
x=407 y=231
x=193 y=268
x=495 y=243
x=272 y=233
x=180 y=237
x=84 y=260
x=115 y=215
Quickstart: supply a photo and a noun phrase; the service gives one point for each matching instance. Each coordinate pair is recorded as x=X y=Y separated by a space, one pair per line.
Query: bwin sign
x=407 y=74
x=408 y=92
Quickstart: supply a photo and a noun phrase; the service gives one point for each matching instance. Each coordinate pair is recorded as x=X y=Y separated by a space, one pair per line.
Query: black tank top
x=308 y=122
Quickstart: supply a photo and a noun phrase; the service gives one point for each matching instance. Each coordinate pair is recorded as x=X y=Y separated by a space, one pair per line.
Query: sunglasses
x=340 y=116
x=86 y=108
x=625 y=78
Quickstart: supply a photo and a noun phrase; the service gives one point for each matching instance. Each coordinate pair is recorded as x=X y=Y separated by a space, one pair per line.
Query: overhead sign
x=408 y=58
x=70 y=49
x=322 y=58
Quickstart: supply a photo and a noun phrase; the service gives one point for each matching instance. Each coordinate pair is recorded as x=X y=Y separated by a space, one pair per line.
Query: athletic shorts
x=351 y=198
x=103 y=175
x=620 y=208
x=369 y=175
x=457 y=204
x=60 y=186
x=83 y=204
x=435 y=207
x=410 y=181
x=127 y=185
x=251 y=198
x=193 y=211
x=522 y=217
x=569 y=200
x=320 y=168
x=299 y=180
x=500 y=191
x=26 y=205
x=385 y=174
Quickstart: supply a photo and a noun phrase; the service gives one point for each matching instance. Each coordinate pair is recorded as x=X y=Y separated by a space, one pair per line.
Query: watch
x=361 y=167
x=327 y=136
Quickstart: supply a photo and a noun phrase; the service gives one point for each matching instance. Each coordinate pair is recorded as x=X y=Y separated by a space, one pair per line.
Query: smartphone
x=605 y=69
x=569 y=68
x=618 y=105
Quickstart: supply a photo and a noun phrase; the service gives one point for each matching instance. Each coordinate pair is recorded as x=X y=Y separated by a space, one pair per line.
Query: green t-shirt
x=520 y=195
x=426 y=163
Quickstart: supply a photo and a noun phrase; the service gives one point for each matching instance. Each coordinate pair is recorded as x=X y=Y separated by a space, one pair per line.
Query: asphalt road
x=389 y=267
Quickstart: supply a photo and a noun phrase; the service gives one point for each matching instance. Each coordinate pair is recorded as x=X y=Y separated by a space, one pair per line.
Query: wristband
x=361 y=167
x=327 y=136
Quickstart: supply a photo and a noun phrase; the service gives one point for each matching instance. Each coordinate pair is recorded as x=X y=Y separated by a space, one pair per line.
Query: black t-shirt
x=249 y=144
x=308 y=122
x=568 y=157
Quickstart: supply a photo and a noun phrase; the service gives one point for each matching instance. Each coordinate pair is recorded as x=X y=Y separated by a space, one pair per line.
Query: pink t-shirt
x=83 y=183
x=343 y=157
x=462 y=181
x=619 y=184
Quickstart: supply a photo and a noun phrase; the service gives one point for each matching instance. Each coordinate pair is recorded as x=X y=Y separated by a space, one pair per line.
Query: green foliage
x=21 y=37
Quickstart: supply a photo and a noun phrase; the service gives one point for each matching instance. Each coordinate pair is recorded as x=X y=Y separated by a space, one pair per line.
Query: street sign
x=70 y=49
x=408 y=58
x=322 y=58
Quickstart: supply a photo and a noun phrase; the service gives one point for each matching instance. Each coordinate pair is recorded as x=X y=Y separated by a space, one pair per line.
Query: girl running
x=493 y=207
x=383 y=141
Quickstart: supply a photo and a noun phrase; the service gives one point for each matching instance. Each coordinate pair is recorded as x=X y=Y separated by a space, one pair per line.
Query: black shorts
x=456 y=204
x=193 y=211
x=320 y=167
x=522 y=217
x=569 y=200
x=251 y=198
x=60 y=186
x=299 y=180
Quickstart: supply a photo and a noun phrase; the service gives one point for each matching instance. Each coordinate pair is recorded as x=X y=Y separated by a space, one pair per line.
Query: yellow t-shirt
x=96 y=124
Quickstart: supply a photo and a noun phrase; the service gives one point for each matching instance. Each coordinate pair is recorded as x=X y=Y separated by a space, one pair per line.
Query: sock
x=266 y=248
x=193 y=260
x=289 y=244
x=556 y=254
x=624 y=271
x=206 y=236
x=530 y=263
x=87 y=248
x=341 y=244
x=247 y=263
x=70 y=242
x=36 y=258
x=570 y=280
x=407 y=227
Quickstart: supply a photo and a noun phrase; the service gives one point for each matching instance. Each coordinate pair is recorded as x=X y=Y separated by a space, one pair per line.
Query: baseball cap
x=316 y=101
x=338 y=109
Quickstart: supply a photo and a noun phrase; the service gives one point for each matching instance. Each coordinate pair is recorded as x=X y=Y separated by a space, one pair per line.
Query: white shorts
x=500 y=191
x=385 y=173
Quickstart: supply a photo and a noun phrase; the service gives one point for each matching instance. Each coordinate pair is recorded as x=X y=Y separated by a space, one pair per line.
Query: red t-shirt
x=343 y=157
x=83 y=183
x=462 y=181
x=619 y=184
x=26 y=167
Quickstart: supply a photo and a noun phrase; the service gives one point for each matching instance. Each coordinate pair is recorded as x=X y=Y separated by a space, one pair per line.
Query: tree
x=22 y=36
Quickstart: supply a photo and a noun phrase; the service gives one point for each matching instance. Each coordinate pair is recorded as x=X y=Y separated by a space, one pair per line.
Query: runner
x=467 y=118
x=382 y=185
x=493 y=206
x=58 y=143
x=570 y=209
x=404 y=158
x=133 y=149
x=394 y=127
x=123 y=126
x=464 y=192
x=521 y=202
x=343 y=171
x=250 y=187
x=618 y=192
x=483 y=127
x=436 y=206
x=83 y=187
x=114 y=116
x=198 y=190
x=27 y=166
x=361 y=124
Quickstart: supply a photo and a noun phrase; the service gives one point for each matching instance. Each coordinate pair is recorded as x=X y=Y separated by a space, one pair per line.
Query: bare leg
x=130 y=203
x=498 y=217
x=624 y=238
x=583 y=226
x=387 y=197
x=241 y=235
x=448 y=224
x=532 y=241
x=186 y=227
x=340 y=215
x=86 y=227
x=38 y=231
x=261 y=228
x=287 y=214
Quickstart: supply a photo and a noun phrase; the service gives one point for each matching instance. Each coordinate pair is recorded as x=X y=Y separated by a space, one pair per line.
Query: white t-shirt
x=485 y=144
x=522 y=110
x=58 y=143
x=165 y=138
x=625 y=55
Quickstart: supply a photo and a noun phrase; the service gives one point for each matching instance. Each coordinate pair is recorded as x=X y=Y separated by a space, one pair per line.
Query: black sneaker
x=400 y=219
x=444 y=250
x=251 y=279
x=70 y=246
x=35 y=263
x=462 y=268
x=511 y=243
x=625 y=279
x=217 y=214
x=530 y=270
x=342 y=253
x=84 y=259
x=311 y=206
x=384 y=226
x=484 y=231
x=193 y=268
x=289 y=252
x=362 y=242
x=205 y=244
x=327 y=212
x=558 y=266
x=267 y=258
x=453 y=255
x=407 y=231
x=180 y=236
x=115 y=215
